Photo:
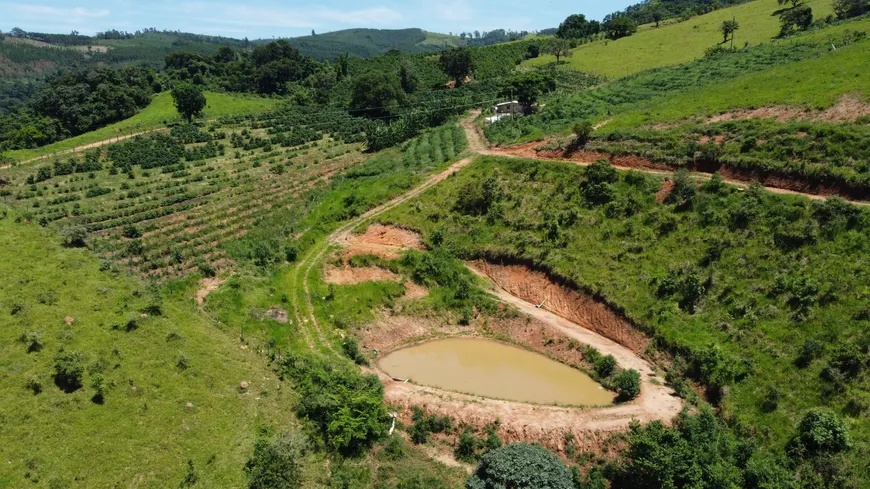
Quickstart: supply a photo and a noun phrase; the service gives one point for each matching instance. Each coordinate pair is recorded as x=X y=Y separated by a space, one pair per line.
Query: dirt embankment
x=536 y=288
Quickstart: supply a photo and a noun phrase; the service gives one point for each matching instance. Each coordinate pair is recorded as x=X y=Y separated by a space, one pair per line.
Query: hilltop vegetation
x=368 y=43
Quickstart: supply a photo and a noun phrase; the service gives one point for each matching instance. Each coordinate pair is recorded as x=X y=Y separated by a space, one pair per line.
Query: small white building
x=512 y=107
x=505 y=109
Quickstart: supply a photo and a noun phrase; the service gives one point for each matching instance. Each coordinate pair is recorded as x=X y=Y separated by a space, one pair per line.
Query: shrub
x=520 y=466
x=423 y=425
x=277 y=461
x=190 y=476
x=605 y=366
x=182 y=363
x=351 y=349
x=346 y=406
x=98 y=384
x=131 y=232
x=68 y=370
x=466 y=449
x=582 y=131
x=74 y=236
x=627 y=384
x=820 y=431
x=34 y=384
x=395 y=448
x=32 y=340
x=771 y=399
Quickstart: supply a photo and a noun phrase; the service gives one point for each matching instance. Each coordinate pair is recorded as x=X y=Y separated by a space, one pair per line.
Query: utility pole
x=734 y=22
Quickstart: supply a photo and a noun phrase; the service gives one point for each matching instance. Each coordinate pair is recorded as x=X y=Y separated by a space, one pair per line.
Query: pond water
x=492 y=369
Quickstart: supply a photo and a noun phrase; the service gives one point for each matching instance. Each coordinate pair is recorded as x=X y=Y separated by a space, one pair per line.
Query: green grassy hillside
x=142 y=434
x=367 y=43
x=811 y=84
x=680 y=42
x=157 y=114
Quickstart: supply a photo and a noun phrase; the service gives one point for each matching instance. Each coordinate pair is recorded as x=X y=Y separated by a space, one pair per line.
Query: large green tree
x=560 y=48
x=526 y=88
x=457 y=63
x=520 y=466
x=376 y=95
x=620 y=27
x=577 y=27
x=189 y=100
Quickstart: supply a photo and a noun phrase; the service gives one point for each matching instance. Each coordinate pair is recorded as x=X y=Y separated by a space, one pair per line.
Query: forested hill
x=367 y=43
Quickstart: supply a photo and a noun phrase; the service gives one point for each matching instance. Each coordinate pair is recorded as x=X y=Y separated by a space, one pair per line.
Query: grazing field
x=813 y=84
x=137 y=425
x=679 y=42
x=158 y=114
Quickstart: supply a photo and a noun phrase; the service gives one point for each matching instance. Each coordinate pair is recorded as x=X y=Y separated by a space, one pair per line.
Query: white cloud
x=235 y=14
x=68 y=15
x=456 y=11
x=372 y=16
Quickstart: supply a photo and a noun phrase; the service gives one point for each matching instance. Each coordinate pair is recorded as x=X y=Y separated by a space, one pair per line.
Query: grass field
x=143 y=434
x=680 y=42
x=157 y=114
x=813 y=84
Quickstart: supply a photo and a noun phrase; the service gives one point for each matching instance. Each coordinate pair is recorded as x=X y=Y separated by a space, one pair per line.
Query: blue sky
x=270 y=18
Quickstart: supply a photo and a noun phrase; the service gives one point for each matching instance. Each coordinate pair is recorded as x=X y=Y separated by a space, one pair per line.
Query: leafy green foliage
x=425 y=424
x=75 y=102
x=189 y=100
x=520 y=466
x=375 y=94
x=794 y=19
x=345 y=406
x=457 y=63
x=821 y=431
x=698 y=451
x=577 y=27
x=619 y=27
x=528 y=87
x=627 y=384
x=277 y=461
x=69 y=370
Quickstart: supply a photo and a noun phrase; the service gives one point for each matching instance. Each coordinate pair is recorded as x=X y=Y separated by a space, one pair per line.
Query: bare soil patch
x=389 y=236
x=414 y=291
x=356 y=275
x=847 y=109
x=277 y=314
x=206 y=287
x=662 y=194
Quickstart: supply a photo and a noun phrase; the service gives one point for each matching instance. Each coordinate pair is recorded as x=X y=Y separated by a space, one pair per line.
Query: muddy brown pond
x=492 y=369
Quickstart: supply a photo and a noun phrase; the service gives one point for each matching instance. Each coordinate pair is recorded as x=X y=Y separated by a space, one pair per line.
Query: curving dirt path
x=519 y=421
x=477 y=142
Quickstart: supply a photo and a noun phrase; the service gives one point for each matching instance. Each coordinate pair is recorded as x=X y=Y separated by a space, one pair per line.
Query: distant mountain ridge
x=368 y=43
